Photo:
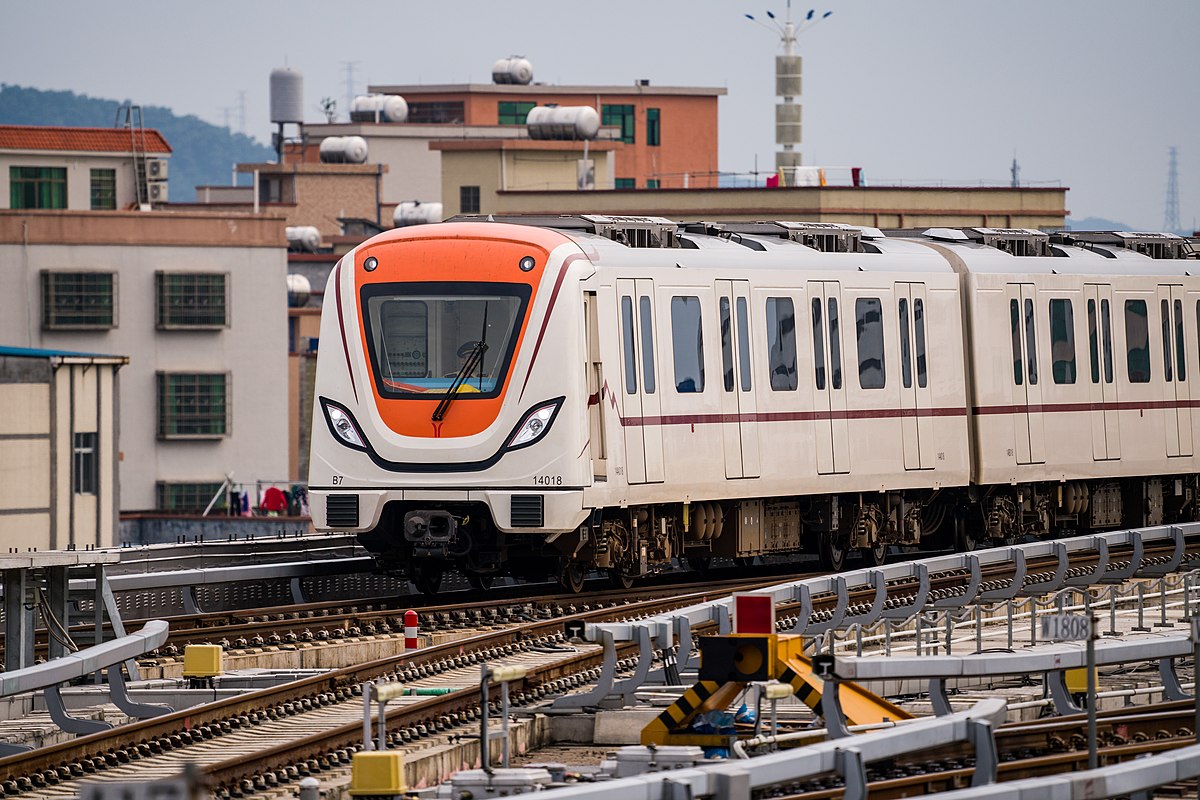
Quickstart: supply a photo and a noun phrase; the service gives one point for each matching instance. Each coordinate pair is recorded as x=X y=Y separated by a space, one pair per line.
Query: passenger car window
x=743 y=343
x=726 y=345
x=868 y=326
x=647 y=345
x=919 y=333
x=818 y=345
x=1180 y=348
x=1062 y=341
x=781 y=343
x=627 y=343
x=1106 y=330
x=687 y=340
x=1030 y=343
x=905 y=353
x=1093 y=341
x=835 y=346
x=1165 y=311
x=1137 y=341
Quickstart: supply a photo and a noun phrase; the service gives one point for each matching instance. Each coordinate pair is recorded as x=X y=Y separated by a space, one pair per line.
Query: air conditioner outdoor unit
x=158 y=192
x=156 y=169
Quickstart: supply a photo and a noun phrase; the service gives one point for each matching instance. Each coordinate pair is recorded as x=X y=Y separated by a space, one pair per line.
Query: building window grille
x=625 y=183
x=622 y=116
x=37 y=187
x=85 y=461
x=78 y=300
x=653 y=127
x=192 y=299
x=468 y=199
x=188 y=497
x=652 y=183
x=513 y=113
x=104 y=190
x=193 y=405
x=436 y=112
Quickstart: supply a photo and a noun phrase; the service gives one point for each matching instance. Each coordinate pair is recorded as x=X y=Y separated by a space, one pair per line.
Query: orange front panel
x=473 y=254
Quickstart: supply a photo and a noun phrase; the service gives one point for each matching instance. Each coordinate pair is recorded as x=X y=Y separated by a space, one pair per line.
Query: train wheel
x=572 y=577
x=875 y=555
x=428 y=578
x=966 y=538
x=831 y=552
x=620 y=579
x=480 y=582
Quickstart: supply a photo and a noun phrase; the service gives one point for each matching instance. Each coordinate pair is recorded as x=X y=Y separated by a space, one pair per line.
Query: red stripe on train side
x=337 y=293
x=562 y=273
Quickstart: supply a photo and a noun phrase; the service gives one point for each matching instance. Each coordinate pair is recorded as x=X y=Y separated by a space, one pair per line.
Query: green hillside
x=202 y=153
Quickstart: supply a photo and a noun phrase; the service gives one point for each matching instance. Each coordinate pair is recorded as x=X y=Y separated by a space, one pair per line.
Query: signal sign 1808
x=1066 y=628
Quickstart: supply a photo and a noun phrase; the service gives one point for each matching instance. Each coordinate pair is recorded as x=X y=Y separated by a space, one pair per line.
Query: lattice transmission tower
x=1171 y=214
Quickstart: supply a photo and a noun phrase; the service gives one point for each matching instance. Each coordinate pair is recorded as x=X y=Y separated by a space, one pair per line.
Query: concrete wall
x=520 y=170
x=79 y=176
x=253 y=349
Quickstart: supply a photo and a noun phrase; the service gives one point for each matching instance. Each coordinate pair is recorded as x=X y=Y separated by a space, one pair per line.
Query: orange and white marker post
x=410 y=630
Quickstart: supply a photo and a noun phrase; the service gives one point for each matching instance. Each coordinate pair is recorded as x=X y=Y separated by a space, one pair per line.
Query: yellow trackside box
x=377 y=773
x=1077 y=681
x=202 y=661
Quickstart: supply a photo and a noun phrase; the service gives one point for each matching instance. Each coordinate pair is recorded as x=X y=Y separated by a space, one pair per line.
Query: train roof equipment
x=1109 y=243
x=631 y=231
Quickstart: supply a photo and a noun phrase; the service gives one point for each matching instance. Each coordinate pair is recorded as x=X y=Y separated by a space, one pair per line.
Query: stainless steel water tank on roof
x=343 y=150
x=298 y=291
x=287 y=95
x=306 y=238
x=514 y=69
x=379 y=107
x=414 y=212
x=562 y=122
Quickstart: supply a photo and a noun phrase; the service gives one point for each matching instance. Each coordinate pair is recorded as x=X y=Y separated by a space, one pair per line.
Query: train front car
x=449 y=419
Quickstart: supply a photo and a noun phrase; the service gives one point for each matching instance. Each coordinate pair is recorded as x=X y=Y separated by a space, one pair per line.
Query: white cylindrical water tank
x=287 y=95
x=562 y=122
x=514 y=69
x=414 y=212
x=379 y=107
x=303 y=237
x=344 y=150
x=299 y=290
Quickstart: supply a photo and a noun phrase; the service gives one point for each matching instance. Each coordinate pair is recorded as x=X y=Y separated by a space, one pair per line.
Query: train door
x=1106 y=429
x=832 y=433
x=1029 y=434
x=916 y=398
x=642 y=422
x=595 y=387
x=738 y=401
x=1177 y=412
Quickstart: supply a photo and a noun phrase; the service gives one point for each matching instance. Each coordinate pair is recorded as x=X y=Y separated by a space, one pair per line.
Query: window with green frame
x=192 y=300
x=104 y=190
x=651 y=183
x=622 y=116
x=193 y=405
x=513 y=113
x=188 y=497
x=78 y=300
x=37 y=187
x=653 y=127
x=625 y=183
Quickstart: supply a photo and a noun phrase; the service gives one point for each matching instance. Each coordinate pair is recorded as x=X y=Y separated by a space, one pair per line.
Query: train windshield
x=420 y=335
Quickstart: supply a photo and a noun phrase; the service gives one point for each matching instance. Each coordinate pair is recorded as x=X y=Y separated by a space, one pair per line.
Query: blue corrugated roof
x=30 y=352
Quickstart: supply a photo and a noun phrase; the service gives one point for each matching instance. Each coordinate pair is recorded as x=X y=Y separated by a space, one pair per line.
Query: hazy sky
x=1087 y=93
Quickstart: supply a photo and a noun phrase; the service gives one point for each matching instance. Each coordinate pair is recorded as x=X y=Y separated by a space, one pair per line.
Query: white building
x=196 y=300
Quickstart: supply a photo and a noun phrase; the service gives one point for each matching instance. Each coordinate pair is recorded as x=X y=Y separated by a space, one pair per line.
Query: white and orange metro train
x=550 y=396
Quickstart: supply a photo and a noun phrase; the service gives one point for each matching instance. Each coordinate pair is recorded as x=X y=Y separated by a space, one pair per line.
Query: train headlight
x=534 y=425
x=343 y=427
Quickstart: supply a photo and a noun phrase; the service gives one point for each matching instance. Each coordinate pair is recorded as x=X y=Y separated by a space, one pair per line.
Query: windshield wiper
x=474 y=359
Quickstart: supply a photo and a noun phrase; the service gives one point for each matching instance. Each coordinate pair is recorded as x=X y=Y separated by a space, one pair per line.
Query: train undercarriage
x=422 y=543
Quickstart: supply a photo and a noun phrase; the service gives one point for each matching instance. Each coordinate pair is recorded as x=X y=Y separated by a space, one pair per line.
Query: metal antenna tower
x=350 y=67
x=241 y=112
x=1171 y=214
x=787 y=85
x=1015 y=169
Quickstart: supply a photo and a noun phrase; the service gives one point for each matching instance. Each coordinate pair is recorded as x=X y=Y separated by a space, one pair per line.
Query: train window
x=919 y=333
x=1030 y=343
x=781 y=343
x=835 y=346
x=1014 y=315
x=1180 y=349
x=868 y=325
x=647 y=345
x=726 y=345
x=1165 y=310
x=743 y=343
x=818 y=345
x=1106 y=330
x=1093 y=341
x=905 y=354
x=1062 y=341
x=687 y=341
x=627 y=340
x=1137 y=341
